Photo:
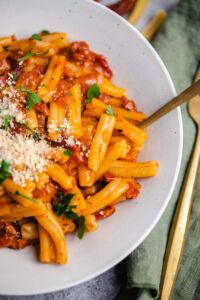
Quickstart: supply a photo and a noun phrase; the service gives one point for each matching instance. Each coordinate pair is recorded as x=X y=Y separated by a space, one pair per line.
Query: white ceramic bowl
x=139 y=69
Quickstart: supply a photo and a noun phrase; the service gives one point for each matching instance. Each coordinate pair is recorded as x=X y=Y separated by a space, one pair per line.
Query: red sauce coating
x=47 y=192
x=105 y=212
x=133 y=191
x=32 y=78
x=81 y=53
x=129 y=104
x=121 y=7
x=42 y=108
x=10 y=236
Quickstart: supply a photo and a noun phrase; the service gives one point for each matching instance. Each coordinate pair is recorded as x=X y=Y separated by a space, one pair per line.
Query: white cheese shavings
x=25 y=156
x=8 y=108
x=65 y=126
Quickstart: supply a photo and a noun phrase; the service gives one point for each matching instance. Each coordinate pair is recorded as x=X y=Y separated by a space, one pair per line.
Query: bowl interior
x=137 y=68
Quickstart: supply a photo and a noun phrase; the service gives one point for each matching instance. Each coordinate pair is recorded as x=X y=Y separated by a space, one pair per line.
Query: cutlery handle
x=186 y=95
x=179 y=226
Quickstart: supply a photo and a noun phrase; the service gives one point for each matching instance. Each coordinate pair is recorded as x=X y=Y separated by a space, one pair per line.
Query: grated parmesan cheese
x=25 y=156
x=63 y=127
x=8 y=108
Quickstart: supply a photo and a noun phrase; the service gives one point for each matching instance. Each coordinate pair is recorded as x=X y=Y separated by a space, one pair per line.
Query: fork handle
x=186 y=95
x=179 y=226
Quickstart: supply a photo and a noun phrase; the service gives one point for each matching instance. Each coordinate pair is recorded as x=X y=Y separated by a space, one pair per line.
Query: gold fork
x=181 y=218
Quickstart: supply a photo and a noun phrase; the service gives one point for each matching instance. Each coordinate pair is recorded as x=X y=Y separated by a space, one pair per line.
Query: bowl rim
x=132 y=247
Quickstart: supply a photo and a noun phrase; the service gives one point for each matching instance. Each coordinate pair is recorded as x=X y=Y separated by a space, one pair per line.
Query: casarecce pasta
x=69 y=143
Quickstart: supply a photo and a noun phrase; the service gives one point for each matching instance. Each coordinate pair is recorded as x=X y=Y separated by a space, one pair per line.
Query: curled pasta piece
x=110 y=89
x=4 y=205
x=101 y=140
x=85 y=175
x=78 y=199
x=97 y=108
x=50 y=223
x=51 y=78
x=12 y=188
x=31 y=118
x=47 y=248
x=6 y=41
x=117 y=150
x=56 y=120
x=129 y=169
x=129 y=130
x=106 y=196
x=74 y=111
x=58 y=174
x=91 y=223
x=42 y=179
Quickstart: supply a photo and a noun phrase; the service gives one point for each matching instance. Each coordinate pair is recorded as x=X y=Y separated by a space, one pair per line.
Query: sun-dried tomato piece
x=42 y=108
x=122 y=7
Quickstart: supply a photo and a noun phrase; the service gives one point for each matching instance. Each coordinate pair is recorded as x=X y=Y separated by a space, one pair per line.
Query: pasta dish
x=69 y=143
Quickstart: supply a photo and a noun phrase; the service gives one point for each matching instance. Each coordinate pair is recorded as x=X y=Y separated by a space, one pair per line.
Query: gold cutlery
x=182 y=213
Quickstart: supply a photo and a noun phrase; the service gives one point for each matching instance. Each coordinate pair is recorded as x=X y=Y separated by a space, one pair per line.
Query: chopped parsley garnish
x=6 y=122
x=64 y=208
x=110 y=110
x=14 y=76
x=25 y=197
x=4 y=170
x=30 y=54
x=81 y=227
x=93 y=92
x=68 y=152
x=35 y=136
x=45 y=32
x=36 y=37
x=32 y=98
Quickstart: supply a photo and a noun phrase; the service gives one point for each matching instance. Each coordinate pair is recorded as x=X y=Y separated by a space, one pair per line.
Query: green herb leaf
x=14 y=76
x=93 y=92
x=110 y=110
x=26 y=56
x=26 y=197
x=69 y=208
x=32 y=98
x=71 y=215
x=4 y=170
x=66 y=199
x=59 y=209
x=45 y=32
x=35 y=136
x=81 y=227
x=5 y=166
x=23 y=89
x=36 y=37
x=63 y=206
x=87 y=101
x=68 y=152
x=30 y=54
x=6 y=122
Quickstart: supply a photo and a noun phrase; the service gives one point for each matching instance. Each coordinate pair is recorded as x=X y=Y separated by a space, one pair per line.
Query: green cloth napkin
x=178 y=44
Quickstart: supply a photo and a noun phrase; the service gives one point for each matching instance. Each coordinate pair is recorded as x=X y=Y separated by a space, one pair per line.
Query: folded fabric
x=178 y=44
